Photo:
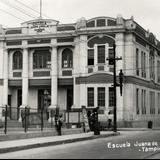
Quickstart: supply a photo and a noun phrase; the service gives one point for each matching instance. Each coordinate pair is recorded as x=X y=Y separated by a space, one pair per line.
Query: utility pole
x=40 y=9
x=112 y=60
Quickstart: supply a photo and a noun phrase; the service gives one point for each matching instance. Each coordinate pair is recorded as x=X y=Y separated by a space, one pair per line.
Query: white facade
x=71 y=82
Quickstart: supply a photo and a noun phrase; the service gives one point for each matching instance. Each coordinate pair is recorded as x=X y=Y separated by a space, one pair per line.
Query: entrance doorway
x=69 y=98
x=44 y=100
x=19 y=101
x=9 y=114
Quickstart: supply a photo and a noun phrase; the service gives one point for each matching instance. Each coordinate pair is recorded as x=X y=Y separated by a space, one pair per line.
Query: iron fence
x=30 y=118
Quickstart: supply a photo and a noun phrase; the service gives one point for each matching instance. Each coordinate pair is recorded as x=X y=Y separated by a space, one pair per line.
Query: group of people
x=91 y=119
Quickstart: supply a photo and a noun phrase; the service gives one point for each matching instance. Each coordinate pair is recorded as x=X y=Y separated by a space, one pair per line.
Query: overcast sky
x=145 y=12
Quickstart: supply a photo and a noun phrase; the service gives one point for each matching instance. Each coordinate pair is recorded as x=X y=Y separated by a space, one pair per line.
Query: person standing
x=59 y=125
x=109 y=120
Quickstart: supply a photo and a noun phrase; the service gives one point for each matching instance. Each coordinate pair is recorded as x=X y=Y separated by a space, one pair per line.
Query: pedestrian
x=109 y=120
x=59 y=125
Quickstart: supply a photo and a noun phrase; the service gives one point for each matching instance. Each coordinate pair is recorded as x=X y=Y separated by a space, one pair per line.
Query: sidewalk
x=17 y=145
x=138 y=129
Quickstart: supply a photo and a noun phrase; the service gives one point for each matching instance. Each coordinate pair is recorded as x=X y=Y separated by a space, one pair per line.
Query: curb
x=28 y=135
x=47 y=144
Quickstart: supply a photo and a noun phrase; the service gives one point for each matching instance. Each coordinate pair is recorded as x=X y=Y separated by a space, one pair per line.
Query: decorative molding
x=103 y=78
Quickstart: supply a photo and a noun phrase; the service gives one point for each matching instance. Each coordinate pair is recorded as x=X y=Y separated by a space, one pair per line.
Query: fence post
x=79 y=118
x=5 y=128
x=25 y=120
x=52 y=112
x=68 y=118
x=41 y=119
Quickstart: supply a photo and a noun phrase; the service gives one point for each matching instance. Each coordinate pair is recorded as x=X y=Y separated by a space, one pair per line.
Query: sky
x=145 y=12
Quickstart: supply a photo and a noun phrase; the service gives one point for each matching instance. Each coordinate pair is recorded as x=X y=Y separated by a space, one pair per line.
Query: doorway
x=19 y=101
x=44 y=101
x=69 y=98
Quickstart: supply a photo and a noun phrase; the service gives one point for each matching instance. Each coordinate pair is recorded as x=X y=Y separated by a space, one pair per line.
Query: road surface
x=126 y=148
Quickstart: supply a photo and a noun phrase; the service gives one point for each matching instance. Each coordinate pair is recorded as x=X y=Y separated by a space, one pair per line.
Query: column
x=107 y=56
x=54 y=81
x=24 y=82
x=5 y=81
x=83 y=54
x=156 y=68
x=5 y=74
x=83 y=95
x=147 y=64
x=120 y=50
x=75 y=92
x=95 y=58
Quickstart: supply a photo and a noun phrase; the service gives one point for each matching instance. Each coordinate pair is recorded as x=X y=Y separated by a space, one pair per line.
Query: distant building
x=44 y=64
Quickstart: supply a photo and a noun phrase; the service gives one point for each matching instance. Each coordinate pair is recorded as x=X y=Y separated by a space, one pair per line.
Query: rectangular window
x=143 y=99
x=101 y=97
x=111 y=97
x=137 y=101
x=158 y=103
x=90 y=97
x=158 y=71
x=152 y=103
x=145 y=110
x=152 y=65
x=143 y=64
x=137 y=62
x=101 y=54
x=90 y=57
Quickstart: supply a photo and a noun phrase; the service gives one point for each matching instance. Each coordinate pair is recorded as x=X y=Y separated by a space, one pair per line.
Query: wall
x=62 y=98
x=1 y=97
x=33 y=98
x=128 y=102
x=129 y=52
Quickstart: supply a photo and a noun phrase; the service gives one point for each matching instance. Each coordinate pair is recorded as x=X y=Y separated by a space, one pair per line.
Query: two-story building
x=44 y=64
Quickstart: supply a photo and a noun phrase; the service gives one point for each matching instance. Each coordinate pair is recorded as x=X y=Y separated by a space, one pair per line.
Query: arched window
x=67 y=58
x=41 y=58
x=17 y=60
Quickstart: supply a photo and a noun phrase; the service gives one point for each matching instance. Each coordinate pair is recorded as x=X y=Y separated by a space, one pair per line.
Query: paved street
x=156 y=156
x=99 y=148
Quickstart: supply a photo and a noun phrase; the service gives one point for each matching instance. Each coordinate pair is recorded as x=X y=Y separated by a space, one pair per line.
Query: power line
x=30 y=8
x=49 y=32
x=17 y=8
x=11 y=14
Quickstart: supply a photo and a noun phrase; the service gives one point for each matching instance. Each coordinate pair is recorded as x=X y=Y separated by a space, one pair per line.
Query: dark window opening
x=111 y=97
x=90 y=57
x=90 y=97
x=67 y=58
x=17 y=60
x=101 y=54
x=101 y=97
x=41 y=59
x=101 y=22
